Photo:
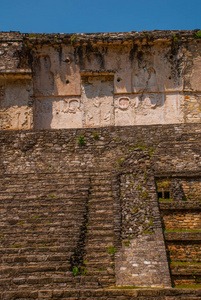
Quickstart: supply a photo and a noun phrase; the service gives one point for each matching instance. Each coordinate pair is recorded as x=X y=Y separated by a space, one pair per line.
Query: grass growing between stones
x=81 y=141
x=75 y=271
x=188 y=286
x=163 y=199
x=111 y=250
x=147 y=232
x=198 y=35
x=96 y=136
x=127 y=243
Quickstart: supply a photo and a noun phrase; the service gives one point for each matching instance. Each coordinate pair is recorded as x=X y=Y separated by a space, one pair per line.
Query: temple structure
x=100 y=166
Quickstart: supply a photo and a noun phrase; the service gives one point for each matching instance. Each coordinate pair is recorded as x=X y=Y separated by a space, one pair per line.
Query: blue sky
x=71 y=16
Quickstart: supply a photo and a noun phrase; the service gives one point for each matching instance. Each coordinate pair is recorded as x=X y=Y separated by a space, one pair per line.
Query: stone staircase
x=56 y=231
x=41 y=219
x=100 y=250
x=183 y=235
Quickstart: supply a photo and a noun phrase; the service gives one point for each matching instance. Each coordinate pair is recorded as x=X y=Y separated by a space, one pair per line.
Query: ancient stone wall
x=80 y=80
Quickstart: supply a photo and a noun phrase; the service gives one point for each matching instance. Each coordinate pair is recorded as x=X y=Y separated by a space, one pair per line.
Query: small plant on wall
x=111 y=250
x=81 y=141
x=198 y=35
x=96 y=136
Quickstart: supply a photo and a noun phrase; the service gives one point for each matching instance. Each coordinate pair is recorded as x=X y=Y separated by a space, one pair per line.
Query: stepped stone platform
x=102 y=213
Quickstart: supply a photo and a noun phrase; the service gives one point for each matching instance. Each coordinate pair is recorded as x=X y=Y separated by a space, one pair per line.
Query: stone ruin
x=100 y=165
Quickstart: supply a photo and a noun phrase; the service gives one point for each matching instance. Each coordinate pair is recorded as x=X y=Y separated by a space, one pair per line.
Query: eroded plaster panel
x=44 y=77
x=123 y=67
x=53 y=112
x=169 y=68
x=66 y=69
x=174 y=108
x=150 y=108
x=16 y=104
x=125 y=110
x=97 y=99
x=157 y=108
x=56 y=72
x=144 y=72
x=156 y=69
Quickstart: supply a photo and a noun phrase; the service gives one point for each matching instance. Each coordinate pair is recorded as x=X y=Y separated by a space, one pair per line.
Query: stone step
x=60 y=219
x=98 y=256
x=100 y=271
x=101 y=207
x=45 y=239
x=188 y=269
x=43 y=187
x=51 y=203
x=40 y=190
x=70 y=281
x=24 y=245
x=101 y=258
x=183 y=236
x=100 y=267
x=100 y=180
x=9 y=259
x=100 y=233
x=102 y=210
x=38 y=250
x=187 y=281
x=180 y=205
x=46 y=178
x=93 y=239
x=103 y=226
x=69 y=177
x=104 y=193
x=100 y=222
x=112 y=294
x=40 y=233
x=56 y=195
x=106 y=201
x=99 y=219
x=100 y=188
x=43 y=184
x=99 y=263
x=40 y=268
x=36 y=283
x=43 y=200
x=96 y=249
